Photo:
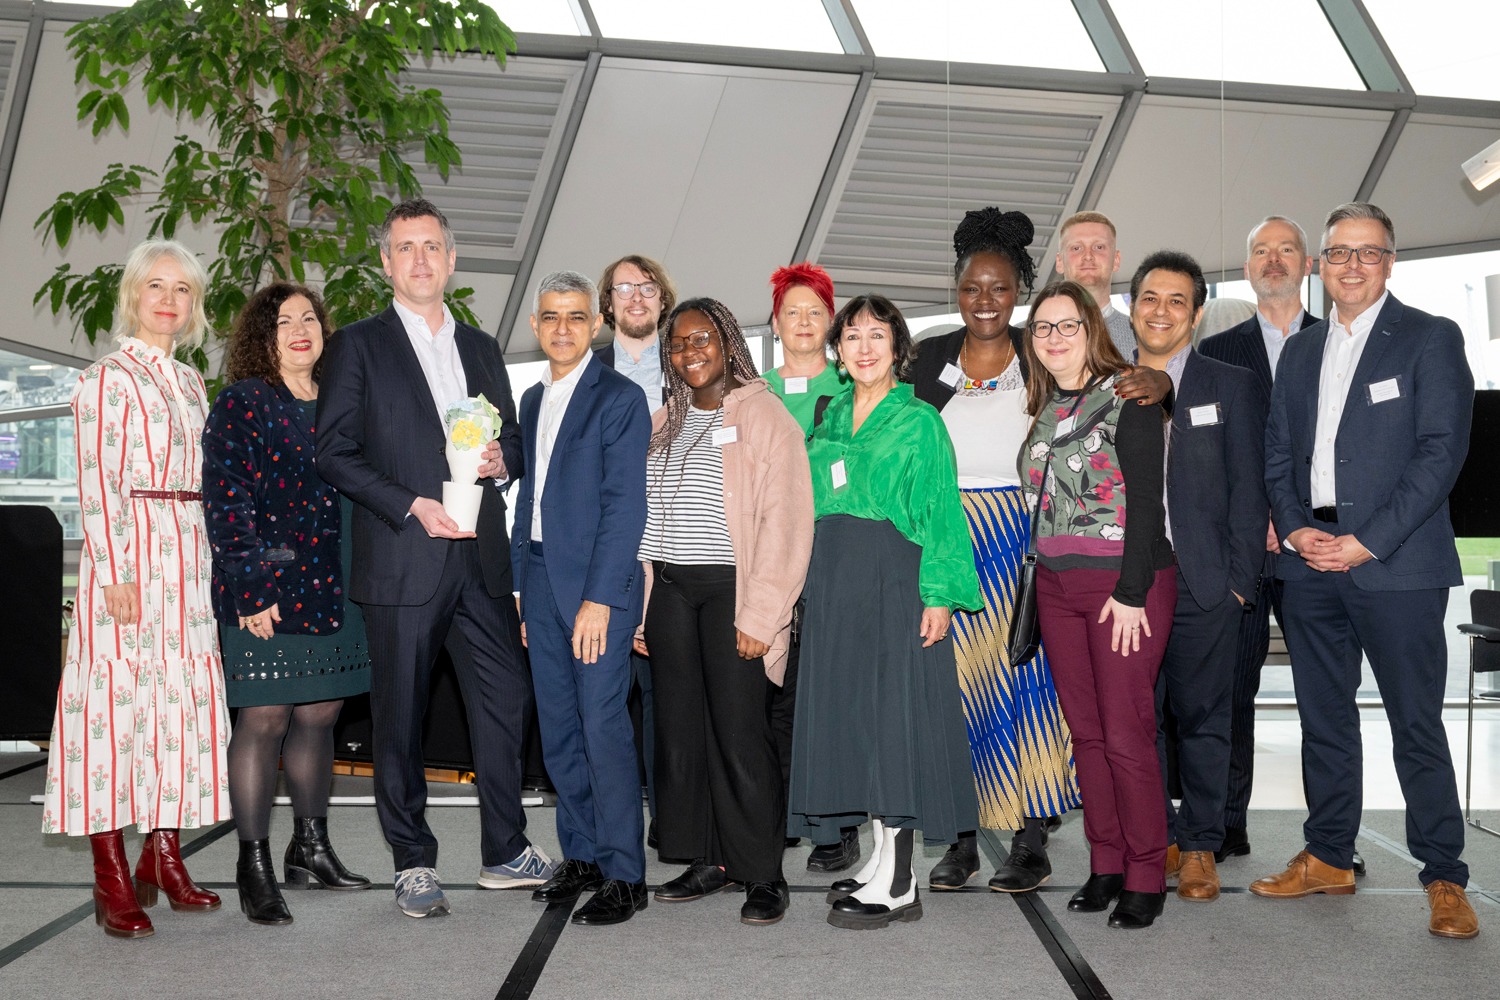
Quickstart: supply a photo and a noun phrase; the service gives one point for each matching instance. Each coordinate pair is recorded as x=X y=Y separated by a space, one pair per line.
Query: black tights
x=302 y=737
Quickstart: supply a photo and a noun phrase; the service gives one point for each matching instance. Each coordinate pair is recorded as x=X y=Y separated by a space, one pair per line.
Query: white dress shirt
x=1341 y=353
x=437 y=352
x=1273 y=338
x=556 y=394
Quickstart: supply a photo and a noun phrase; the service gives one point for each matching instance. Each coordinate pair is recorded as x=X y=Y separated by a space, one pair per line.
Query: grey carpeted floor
x=969 y=944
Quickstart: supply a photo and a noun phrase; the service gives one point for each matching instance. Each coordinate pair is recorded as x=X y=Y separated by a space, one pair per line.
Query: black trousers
x=1196 y=678
x=1251 y=646
x=483 y=636
x=720 y=795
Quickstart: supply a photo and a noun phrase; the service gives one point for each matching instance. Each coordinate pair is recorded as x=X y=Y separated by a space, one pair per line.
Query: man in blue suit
x=1369 y=427
x=1216 y=519
x=1276 y=265
x=579 y=519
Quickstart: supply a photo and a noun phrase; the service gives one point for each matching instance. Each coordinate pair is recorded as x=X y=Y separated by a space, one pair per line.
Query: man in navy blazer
x=1369 y=427
x=423 y=583
x=579 y=520
x=1276 y=265
x=1216 y=519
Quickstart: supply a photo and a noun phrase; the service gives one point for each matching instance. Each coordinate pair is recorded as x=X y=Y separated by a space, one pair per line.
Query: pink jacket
x=769 y=507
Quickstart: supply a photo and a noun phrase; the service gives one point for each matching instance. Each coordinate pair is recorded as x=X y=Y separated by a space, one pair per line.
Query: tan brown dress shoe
x=1198 y=880
x=1174 y=860
x=1304 y=876
x=1452 y=916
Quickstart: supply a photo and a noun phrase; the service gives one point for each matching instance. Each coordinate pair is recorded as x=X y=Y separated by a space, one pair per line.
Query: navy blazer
x=594 y=504
x=1244 y=347
x=1216 y=497
x=606 y=356
x=381 y=443
x=1397 y=459
x=272 y=522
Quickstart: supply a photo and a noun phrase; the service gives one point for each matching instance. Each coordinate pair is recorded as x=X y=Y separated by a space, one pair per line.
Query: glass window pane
x=544 y=17
x=1044 y=33
x=1273 y=41
x=767 y=24
x=1456 y=55
x=26 y=382
x=39 y=465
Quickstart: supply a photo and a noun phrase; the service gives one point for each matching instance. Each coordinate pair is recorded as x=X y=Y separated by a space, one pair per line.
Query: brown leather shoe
x=1198 y=879
x=1304 y=876
x=1174 y=860
x=1452 y=916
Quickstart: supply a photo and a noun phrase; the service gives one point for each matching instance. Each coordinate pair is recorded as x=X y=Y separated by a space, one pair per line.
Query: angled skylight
x=766 y=24
x=1045 y=33
x=1456 y=55
x=543 y=17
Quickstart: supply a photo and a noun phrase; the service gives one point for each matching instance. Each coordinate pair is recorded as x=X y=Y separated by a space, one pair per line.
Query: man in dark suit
x=1276 y=265
x=1216 y=519
x=579 y=519
x=422 y=582
x=1369 y=427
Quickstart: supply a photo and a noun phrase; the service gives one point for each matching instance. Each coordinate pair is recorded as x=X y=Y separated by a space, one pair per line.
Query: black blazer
x=1243 y=347
x=380 y=442
x=606 y=356
x=936 y=352
x=1216 y=497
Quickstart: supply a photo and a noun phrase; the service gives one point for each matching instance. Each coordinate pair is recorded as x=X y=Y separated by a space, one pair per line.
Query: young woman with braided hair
x=729 y=528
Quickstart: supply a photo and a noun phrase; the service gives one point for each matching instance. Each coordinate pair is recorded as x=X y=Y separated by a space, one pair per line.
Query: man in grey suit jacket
x=1369 y=428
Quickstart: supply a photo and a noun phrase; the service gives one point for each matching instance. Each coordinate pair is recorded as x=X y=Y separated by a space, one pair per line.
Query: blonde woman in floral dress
x=141 y=727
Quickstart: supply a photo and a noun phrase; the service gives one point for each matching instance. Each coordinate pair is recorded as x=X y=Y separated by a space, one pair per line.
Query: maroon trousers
x=1110 y=704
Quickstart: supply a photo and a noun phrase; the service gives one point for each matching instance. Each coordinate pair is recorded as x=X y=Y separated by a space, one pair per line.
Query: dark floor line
x=53 y=928
x=1065 y=955
x=22 y=769
x=529 y=964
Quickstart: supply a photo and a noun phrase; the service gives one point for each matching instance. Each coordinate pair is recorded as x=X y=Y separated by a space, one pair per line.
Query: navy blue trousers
x=587 y=738
x=1252 y=645
x=1328 y=622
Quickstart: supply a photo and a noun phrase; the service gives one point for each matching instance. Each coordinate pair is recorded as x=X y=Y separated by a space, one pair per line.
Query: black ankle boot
x=260 y=898
x=310 y=860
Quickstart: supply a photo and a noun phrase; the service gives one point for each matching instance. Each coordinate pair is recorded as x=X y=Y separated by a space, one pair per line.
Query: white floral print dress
x=141 y=726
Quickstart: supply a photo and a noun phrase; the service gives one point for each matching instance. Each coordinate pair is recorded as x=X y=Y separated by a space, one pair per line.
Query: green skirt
x=296 y=669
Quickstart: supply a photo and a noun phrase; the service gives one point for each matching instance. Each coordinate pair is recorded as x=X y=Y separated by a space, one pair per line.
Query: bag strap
x=1041 y=489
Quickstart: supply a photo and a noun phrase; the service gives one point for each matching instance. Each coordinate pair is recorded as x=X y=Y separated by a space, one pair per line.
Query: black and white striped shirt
x=685 y=522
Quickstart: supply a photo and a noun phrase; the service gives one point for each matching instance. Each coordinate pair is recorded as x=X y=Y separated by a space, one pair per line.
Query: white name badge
x=1065 y=427
x=796 y=385
x=1204 y=416
x=1380 y=392
x=840 y=477
x=952 y=375
x=726 y=435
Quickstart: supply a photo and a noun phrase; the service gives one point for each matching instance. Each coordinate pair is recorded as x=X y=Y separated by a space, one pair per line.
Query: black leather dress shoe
x=959 y=864
x=836 y=857
x=1236 y=844
x=1023 y=871
x=615 y=902
x=698 y=881
x=573 y=878
x=790 y=842
x=1097 y=893
x=1358 y=864
x=1136 y=910
x=765 y=902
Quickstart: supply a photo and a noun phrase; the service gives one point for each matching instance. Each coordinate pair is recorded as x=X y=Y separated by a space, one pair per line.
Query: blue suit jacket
x=594 y=504
x=1243 y=347
x=1396 y=460
x=1216 y=496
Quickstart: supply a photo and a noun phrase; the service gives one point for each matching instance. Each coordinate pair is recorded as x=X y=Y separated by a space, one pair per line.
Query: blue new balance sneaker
x=532 y=868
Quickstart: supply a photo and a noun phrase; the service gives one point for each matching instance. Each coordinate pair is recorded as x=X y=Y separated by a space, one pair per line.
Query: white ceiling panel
x=490 y=292
x=1425 y=192
x=700 y=167
x=1195 y=175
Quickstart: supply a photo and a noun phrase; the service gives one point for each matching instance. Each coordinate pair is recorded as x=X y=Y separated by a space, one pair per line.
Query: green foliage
x=304 y=111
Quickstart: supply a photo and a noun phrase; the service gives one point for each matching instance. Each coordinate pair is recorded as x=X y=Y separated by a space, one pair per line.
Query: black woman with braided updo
x=1019 y=744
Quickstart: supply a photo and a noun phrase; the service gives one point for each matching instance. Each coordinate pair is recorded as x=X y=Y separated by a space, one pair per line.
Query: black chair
x=1484 y=657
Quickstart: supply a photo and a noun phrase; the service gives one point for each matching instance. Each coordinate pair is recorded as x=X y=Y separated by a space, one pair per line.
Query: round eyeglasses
x=625 y=289
x=699 y=340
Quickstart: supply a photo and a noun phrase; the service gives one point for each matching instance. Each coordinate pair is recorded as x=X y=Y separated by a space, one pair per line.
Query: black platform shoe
x=310 y=859
x=890 y=896
x=254 y=875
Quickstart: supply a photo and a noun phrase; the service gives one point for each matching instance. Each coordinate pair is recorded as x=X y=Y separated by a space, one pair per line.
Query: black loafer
x=1023 y=871
x=765 y=902
x=698 y=881
x=1136 y=910
x=836 y=857
x=959 y=864
x=615 y=902
x=1236 y=844
x=1358 y=864
x=573 y=878
x=1097 y=893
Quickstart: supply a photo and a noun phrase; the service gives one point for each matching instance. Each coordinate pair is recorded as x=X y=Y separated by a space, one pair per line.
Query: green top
x=900 y=468
x=828 y=382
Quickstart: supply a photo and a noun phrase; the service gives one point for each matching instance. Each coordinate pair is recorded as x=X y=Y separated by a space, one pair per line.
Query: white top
x=1273 y=338
x=685 y=520
x=988 y=431
x=1341 y=353
x=437 y=352
x=555 y=398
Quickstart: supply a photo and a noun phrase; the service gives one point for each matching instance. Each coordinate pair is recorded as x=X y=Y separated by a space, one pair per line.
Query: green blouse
x=802 y=405
x=900 y=468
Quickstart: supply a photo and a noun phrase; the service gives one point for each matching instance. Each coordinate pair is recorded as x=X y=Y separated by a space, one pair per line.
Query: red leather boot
x=161 y=868
x=115 y=907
